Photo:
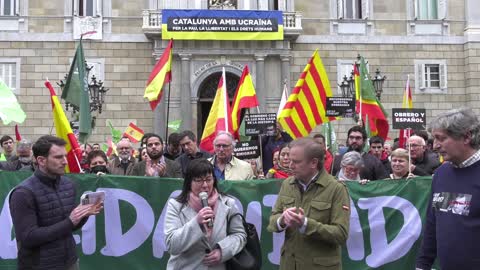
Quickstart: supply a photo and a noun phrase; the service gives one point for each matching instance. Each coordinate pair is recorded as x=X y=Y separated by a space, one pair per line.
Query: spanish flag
x=134 y=133
x=218 y=118
x=305 y=107
x=406 y=104
x=161 y=74
x=64 y=131
x=245 y=97
x=368 y=105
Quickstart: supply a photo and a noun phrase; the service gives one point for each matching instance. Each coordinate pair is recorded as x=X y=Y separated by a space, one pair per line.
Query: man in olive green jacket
x=314 y=210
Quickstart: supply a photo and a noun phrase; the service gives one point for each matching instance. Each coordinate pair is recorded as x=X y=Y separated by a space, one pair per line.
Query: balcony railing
x=292 y=23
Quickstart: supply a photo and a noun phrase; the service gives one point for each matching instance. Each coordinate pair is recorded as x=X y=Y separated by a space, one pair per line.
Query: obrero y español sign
x=202 y=24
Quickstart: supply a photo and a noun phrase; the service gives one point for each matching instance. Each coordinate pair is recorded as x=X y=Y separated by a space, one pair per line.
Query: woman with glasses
x=350 y=167
x=198 y=236
x=282 y=169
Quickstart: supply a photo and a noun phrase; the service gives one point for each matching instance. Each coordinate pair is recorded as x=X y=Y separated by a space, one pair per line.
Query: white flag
x=283 y=101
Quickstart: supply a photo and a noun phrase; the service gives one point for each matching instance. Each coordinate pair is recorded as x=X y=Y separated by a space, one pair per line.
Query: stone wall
x=127 y=67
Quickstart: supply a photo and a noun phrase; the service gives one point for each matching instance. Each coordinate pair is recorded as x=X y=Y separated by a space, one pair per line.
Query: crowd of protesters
x=170 y=159
x=196 y=235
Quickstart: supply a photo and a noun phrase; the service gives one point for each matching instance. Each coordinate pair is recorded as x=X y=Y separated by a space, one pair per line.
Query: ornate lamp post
x=96 y=92
x=378 y=81
x=345 y=87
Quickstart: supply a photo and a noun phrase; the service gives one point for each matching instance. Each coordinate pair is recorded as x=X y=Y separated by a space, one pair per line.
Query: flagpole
x=168 y=112
x=409 y=155
x=224 y=88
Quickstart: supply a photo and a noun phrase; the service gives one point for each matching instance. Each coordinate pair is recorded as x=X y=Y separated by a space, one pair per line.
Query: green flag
x=175 y=125
x=116 y=134
x=76 y=93
x=241 y=132
x=10 y=109
x=104 y=147
x=330 y=137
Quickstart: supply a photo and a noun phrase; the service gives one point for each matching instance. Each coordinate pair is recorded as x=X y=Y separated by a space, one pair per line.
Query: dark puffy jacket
x=429 y=163
x=373 y=169
x=40 y=208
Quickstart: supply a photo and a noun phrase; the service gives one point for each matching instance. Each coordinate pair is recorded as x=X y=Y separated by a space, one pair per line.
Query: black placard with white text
x=260 y=124
x=340 y=106
x=409 y=118
x=247 y=150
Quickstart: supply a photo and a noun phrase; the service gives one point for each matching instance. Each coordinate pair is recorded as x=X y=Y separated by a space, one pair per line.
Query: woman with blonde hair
x=400 y=166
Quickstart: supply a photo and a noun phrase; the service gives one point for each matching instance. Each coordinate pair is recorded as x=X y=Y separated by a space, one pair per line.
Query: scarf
x=343 y=177
x=282 y=172
x=195 y=202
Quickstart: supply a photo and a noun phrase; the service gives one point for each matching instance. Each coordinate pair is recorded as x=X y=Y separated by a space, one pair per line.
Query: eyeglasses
x=201 y=180
x=224 y=146
x=415 y=145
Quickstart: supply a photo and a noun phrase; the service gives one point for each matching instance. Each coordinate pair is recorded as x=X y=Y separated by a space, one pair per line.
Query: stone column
x=260 y=81
x=185 y=103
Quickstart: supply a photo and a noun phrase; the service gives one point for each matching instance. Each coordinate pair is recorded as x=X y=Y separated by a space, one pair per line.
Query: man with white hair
x=420 y=157
x=453 y=214
x=124 y=162
x=226 y=166
x=22 y=160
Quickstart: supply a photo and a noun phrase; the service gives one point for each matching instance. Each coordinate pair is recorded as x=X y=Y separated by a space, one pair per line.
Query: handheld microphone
x=204 y=198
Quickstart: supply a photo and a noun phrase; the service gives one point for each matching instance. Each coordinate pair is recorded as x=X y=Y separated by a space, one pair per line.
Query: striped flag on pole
x=219 y=117
x=245 y=97
x=64 y=131
x=406 y=104
x=134 y=133
x=161 y=74
x=305 y=107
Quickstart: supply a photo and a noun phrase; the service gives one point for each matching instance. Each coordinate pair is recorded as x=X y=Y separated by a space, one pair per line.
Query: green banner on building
x=385 y=227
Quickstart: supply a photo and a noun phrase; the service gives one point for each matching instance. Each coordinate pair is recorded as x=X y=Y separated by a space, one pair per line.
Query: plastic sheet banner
x=385 y=226
x=202 y=24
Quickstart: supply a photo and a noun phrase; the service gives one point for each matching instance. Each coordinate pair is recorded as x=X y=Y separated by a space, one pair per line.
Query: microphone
x=204 y=197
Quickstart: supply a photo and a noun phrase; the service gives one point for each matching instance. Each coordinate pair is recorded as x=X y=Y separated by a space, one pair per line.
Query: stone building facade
x=435 y=42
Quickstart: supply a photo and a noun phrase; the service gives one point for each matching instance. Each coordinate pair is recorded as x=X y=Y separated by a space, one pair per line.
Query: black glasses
x=201 y=180
x=222 y=146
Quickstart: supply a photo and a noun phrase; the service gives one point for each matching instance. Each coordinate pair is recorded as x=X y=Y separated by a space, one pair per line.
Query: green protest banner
x=385 y=226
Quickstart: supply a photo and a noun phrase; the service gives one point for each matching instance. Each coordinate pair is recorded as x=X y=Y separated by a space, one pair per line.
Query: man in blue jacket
x=452 y=228
x=44 y=213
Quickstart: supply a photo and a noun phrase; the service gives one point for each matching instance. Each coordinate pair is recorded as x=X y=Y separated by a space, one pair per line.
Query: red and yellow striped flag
x=64 y=131
x=245 y=97
x=406 y=104
x=134 y=133
x=161 y=74
x=219 y=117
x=305 y=108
